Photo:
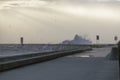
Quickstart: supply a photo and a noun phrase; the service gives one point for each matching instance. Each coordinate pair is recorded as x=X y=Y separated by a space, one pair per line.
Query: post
x=97 y=39
x=21 y=41
x=115 y=39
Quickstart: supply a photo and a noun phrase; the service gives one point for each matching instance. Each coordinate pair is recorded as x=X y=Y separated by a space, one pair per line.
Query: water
x=17 y=49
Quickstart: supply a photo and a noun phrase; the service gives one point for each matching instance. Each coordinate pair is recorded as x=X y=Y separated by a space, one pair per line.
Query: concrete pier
x=68 y=68
x=12 y=62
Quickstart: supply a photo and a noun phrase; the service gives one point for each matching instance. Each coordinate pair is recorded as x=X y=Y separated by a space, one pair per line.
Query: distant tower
x=21 y=41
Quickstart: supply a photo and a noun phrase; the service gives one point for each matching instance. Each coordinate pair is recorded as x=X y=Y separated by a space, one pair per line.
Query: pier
x=95 y=64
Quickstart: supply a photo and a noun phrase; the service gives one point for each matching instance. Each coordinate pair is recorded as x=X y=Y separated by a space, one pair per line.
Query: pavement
x=96 y=52
x=68 y=68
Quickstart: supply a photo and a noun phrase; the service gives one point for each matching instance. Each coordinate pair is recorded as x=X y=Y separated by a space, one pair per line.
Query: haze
x=52 y=21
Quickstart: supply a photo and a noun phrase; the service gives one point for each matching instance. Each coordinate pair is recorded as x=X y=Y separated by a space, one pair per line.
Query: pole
x=22 y=41
x=116 y=39
x=97 y=39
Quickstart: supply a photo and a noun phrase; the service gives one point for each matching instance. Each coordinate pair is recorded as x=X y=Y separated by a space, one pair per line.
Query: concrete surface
x=8 y=63
x=96 y=52
x=67 y=68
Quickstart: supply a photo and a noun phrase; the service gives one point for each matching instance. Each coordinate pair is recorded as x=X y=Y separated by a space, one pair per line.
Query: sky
x=52 y=21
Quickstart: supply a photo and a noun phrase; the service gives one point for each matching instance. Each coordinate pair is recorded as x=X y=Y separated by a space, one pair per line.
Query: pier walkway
x=91 y=65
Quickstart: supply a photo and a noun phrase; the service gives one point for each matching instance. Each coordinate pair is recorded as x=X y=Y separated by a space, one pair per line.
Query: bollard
x=21 y=41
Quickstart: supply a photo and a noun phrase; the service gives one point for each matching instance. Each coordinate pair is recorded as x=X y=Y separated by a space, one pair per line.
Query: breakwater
x=10 y=62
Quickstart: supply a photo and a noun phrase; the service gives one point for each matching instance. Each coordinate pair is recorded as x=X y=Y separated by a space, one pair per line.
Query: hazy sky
x=52 y=21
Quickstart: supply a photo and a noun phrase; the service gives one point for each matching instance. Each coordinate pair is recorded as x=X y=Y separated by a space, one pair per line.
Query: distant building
x=77 y=40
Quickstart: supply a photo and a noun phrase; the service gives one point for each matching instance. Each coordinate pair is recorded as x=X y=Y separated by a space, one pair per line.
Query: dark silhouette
x=21 y=41
x=119 y=53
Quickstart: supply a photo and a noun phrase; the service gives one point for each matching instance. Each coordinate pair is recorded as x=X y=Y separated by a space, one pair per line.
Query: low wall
x=119 y=54
x=6 y=65
x=24 y=56
x=114 y=54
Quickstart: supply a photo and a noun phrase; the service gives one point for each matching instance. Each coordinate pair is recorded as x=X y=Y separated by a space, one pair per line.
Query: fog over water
x=52 y=21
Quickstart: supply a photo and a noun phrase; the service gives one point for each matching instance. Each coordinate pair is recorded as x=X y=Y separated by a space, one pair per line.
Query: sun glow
x=93 y=12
